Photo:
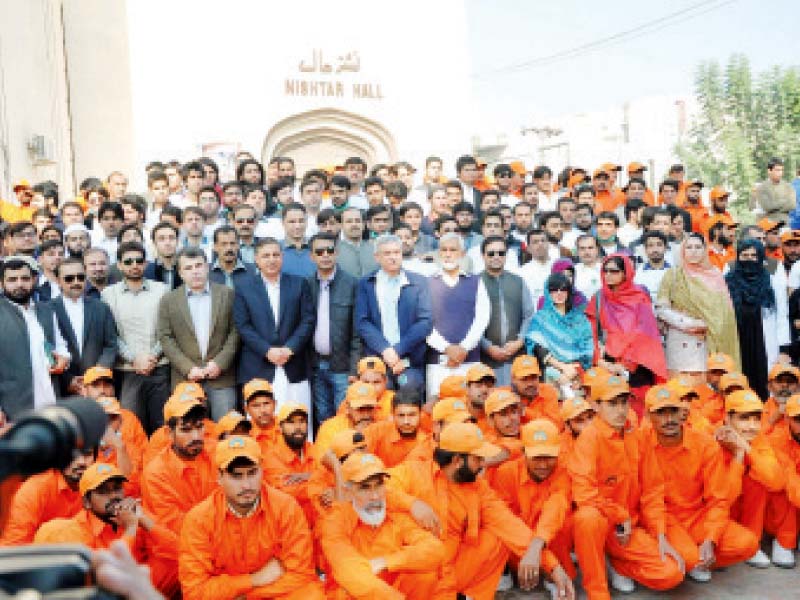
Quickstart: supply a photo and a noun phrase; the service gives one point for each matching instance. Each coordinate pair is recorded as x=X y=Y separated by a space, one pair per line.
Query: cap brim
x=660 y=405
x=525 y=371
x=248 y=455
x=362 y=404
x=368 y=474
x=188 y=406
x=502 y=406
x=486 y=450
x=549 y=451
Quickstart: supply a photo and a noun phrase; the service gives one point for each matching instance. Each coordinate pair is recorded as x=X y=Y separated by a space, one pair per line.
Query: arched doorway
x=327 y=136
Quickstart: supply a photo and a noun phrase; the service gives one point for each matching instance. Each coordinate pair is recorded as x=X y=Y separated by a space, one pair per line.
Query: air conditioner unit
x=41 y=150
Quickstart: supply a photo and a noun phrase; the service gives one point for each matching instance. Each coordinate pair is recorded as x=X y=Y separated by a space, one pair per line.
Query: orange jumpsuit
x=770 y=410
x=750 y=484
x=782 y=517
x=385 y=442
x=41 y=498
x=219 y=551
x=698 y=213
x=710 y=403
x=697 y=500
x=12 y=213
x=160 y=440
x=479 y=530
x=545 y=506
x=615 y=478
x=413 y=557
x=608 y=200
x=281 y=461
x=328 y=430
x=266 y=438
x=720 y=259
x=384 y=410
x=136 y=443
x=543 y=406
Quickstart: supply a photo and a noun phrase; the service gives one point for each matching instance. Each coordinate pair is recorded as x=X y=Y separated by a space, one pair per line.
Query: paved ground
x=740 y=582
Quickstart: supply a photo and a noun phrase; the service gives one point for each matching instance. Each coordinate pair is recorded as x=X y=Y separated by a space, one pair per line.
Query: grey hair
x=388 y=238
x=453 y=236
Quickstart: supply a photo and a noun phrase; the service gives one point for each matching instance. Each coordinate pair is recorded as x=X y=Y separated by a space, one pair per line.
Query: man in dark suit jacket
x=275 y=317
x=86 y=324
x=394 y=314
x=336 y=347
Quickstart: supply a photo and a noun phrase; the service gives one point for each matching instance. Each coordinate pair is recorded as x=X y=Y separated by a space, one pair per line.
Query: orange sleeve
x=25 y=514
x=582 y=466
x=161 y=499
x=654 y=511
x=505 y=483
x=498 y=519
x=549 y=560
x=275 y=473
x=317 y=485
x=156 y=443
x=397 y=490
x=555 y=508
x=325 y=435
x=715 y=494
x=420 y=550
x=734 y=475
x=792 y=480
x=764 y=466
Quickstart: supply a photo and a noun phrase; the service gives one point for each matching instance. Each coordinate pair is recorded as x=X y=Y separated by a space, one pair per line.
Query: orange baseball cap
x=479 y=371
x=792 y=234
x=572 y=407
x=360 y=467
x=96 y=475
x=793 y=406
x=518 y=167
x=717 y=192
x=450 y=410
x=611 y=388
x=237 y=446
x=608 y=167
x=231 y=421
x=189 y=387
x=497 y=400
x=525 y=365
x=724 y=219
x=360 y=395
x=743 y=401
x=694 y=183
x=290 y=408
x=681 y=386
x=371 y=363
x=466 y=438
x=110 y=405
x=540 y=438
x=94 y=374
x=720 y=362
x=784 y=369
x=636 y=166
x=766 y=224
x=733 y=378
x=178 y=405
x=600 y=173
x=662 y=396
x=453 y=386
x=256 y=386
x=347 y=441
x=22 y=184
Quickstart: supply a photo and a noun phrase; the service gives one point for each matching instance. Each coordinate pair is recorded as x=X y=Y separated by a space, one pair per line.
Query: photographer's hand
x=116 y=571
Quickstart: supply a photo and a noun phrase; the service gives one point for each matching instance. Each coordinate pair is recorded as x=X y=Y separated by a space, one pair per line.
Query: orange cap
x=466 y=438
x=608 y=167
x=347 y=441
x=360 y=395
x=94 y=374
x=525 y=365
x=499 y=399
x=362 y=466
x=518 y=167
x=599 y=173
x=694 y=183
x=189 y=388
x=96 y=475
x=733 y=378
x=178 y=406
x=743 y=401
x=611 y=388
x=572 y=407
x=110 y=405
x=793 y=406
x=540 y=438
x=479 y=371
x=237 y=446
x=720 y=362
x=718 y=192
x=783 y=369
x=22 y=184
x=792 y=234
x=636 y=166
x=256 y=386
x=453 y=386
x=766 y=224
x=662 y=396
x=371 y=363
x=681 y=386
x=288 y=409
x=450 y=410
x=711 y=221
x=231 y=421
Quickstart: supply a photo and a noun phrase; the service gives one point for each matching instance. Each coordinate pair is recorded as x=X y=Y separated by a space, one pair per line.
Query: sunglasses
x=492 y=253
x=77 y=276
x=129 y=261
x=611 y=271
x=245 y=220
x=558 y=289
x=326 y=250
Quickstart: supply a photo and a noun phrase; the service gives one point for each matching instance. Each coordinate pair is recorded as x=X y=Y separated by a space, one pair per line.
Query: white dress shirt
x=535 y=274
x=43 y=393
x=74 y=310
x=387 y=290
x=587 y=279
x=200 y=310
x=274 y=294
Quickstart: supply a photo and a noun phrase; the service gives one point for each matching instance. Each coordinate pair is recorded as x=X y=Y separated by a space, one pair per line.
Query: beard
x=295 y=441
x=21 y=297
x=465 y=475
x=372 y=516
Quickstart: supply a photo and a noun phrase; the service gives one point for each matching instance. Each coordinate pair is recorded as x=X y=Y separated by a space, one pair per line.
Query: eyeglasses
x=129 y=261
x=326 y=250
x=493 y=253
x=245 y=220
x=559 y=289
x=611 y=271
x=71 y=278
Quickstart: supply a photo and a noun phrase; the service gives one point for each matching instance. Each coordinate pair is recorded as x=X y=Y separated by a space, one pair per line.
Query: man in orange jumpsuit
x=45 y=496
x=124 y=443
x=503 y=413
x=693 y=418
x=539 y=400
x=694 y=205
x=576 y=413
x=720 y=235
x=374 y=550
x=698 y=521
x=361 y=404
x=783 y=508
x=783 y=384
x=479 y=531
x=246 y=539
x=233 y=423
x=322 y=483
x=446 y=410
x=161 y=437
x=606 y=196
x=259 y=403
x=619 y=490
x=393 y=440
x=288 y=465
x=636 y=170
x=372 y=370
x=537 y=488
x=480 y=380
x=751 y=465
x=710 y=400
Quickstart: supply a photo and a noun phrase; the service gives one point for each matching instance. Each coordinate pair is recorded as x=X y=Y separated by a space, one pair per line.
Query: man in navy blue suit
x=393 y=314
x=275 y=316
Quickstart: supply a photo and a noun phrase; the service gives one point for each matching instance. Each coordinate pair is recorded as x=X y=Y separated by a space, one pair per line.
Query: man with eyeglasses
x=244 y=222
x=335 y=347
x=145 y=370
x=22 y=239
x=86 y=323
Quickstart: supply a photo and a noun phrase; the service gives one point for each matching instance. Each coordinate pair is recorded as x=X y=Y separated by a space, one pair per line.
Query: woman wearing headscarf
x=567 y=267
x=762 y=314
x=560 y=335
x=625 y=328
x=696 y=311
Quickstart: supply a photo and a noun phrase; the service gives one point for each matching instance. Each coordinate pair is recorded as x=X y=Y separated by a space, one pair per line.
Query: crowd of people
x=365 y=382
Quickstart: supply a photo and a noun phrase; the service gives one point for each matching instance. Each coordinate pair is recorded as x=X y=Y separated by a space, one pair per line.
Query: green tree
x=741 y=122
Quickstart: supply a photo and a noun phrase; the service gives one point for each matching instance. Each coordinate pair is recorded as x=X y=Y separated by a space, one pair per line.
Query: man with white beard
x=460 y=309
x=374 y=551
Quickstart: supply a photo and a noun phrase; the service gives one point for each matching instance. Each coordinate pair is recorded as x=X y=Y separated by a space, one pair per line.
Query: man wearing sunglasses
x=145 y=370
x=86 y=324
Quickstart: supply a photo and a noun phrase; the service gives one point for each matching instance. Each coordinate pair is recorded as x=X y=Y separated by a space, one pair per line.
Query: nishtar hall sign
x=331 y=78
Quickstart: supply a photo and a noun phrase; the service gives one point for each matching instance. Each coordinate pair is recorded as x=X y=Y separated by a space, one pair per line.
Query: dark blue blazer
x=252 y=314
x=413 y=314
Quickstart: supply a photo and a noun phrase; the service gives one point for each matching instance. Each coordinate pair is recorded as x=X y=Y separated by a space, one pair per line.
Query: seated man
x=710 y=400
x=373 y=550
x=259 y=403
x=246 y=539
x=784 y=382
x=361 y=403
x=783 y=508
x=577 y=414
x=392 y=440
x=233 y=423
x=322 y=483
x=161 y=437
x=539 y=400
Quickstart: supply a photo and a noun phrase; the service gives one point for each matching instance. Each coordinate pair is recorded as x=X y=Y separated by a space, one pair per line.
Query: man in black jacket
x=335 y=346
